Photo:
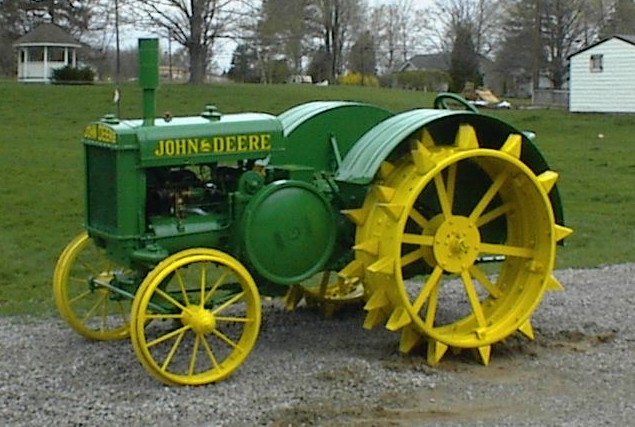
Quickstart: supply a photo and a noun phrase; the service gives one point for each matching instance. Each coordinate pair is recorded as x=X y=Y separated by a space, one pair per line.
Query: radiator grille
x=101 y=191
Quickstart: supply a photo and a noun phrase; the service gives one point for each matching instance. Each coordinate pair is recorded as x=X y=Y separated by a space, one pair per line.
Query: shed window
x=597 y=63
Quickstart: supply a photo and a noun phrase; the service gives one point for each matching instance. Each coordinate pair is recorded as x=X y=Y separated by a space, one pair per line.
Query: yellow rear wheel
x=195 y=317
x=82 y=288
x=426 y=230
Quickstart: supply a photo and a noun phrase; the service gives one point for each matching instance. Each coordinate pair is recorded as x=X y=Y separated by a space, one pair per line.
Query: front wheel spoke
x=501 y=249
x=94 y=308
x=488 y=196
x=215 y=286
x=172 y=352
x=493 y=214
x=473 y=298
x=233 y=319
x=411 y=257
x=79 y=297
x=203 y=284
x=490 y=287
x=228 y=303
x=154 y=316
x=179 y=280
x=168 y=336
x=226 y=340
x=90 y=268
x=210 y=354
x=197 y=340
x=431 y=284
x=169 y=298
x=418 y=239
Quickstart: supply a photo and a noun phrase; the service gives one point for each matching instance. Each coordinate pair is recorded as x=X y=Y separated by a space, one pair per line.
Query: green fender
x=390 y=139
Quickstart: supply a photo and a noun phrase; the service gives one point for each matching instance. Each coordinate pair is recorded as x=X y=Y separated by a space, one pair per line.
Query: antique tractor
x=443 y=222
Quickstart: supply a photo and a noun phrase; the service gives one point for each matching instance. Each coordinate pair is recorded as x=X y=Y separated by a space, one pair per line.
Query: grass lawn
x=41 y=196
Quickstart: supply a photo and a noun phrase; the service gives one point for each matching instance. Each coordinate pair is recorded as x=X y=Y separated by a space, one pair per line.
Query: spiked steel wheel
x=84 y=291
x=195 y=317
x=427 y=227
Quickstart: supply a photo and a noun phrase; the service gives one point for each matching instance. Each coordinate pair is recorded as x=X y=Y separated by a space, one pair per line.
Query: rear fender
x=391 y=138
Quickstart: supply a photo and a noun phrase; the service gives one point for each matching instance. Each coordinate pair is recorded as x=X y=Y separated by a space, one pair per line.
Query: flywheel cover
x=288 y=231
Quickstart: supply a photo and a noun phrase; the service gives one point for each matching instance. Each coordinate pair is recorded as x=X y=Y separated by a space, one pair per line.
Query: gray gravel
x=308 y=370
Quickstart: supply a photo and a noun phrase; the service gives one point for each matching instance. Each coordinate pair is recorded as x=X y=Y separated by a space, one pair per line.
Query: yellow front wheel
x=195 y=317
x=83 y=285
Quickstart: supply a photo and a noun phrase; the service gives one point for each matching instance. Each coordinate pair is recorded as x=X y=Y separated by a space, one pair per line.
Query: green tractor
x=442 y=222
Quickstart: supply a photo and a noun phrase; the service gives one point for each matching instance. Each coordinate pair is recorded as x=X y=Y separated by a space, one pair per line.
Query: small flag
x=115 y=98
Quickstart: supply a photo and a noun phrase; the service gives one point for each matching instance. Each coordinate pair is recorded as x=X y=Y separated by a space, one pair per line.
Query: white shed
x=42 y=50
x=602 y=76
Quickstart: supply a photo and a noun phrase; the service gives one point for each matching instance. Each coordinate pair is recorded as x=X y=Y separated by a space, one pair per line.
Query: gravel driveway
x=308 y=370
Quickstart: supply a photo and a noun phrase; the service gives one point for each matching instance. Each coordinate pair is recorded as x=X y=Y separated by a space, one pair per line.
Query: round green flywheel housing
x=288 y=231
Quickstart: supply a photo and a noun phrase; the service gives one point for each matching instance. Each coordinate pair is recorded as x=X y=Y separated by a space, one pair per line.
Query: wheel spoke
x=226 y=340
x=493 y=214
x=501 y=249
x=228 y=303
x=153 y=316
x=175 y=346
x=179 y=280
x=214 y=288
x=473 y=298
x=233 y=319
x=444 y=201
x=490 y=287
x=451 y=185
x=418 y=239
x=433 y=302
x=203 y=284
x=411 y=257
x=210 y=353
x=489 y=195
x=197 y=339
x=167 y=336
x=80 y=296
x=90 y=268
x=169 y=299
x=418 y=218
x=93 y=309
x=430 y=284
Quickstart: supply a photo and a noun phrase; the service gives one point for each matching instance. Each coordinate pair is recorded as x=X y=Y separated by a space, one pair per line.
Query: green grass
x=41 y=196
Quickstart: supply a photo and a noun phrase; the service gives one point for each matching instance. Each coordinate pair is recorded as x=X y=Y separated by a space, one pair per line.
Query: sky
x=223 y=53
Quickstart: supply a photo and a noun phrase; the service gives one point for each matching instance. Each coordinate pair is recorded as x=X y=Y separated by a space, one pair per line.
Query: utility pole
x=537 y=48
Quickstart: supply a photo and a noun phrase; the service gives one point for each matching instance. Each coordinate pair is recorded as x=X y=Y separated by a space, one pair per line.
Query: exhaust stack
x=149 y=77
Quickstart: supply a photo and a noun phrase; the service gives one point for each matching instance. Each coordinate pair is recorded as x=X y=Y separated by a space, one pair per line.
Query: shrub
x=355 y=79
x=70 y=74
x=430 y=80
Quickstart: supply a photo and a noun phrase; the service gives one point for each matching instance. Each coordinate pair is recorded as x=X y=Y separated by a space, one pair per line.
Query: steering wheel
x=440 y=102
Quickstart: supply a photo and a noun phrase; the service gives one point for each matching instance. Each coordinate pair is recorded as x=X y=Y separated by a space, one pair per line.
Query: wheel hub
x=202 y=321
x=456 y=244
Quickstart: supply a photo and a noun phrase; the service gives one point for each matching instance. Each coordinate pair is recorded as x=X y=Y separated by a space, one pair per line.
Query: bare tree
x=481 y=16
x=194 y=24
x=336 y=20
x=399 y=31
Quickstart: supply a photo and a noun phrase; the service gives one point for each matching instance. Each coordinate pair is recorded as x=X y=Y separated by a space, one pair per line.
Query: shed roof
x=628 y=38
x=46 y=34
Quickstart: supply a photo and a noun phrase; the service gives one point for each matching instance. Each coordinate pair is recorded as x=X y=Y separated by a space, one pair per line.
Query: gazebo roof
x=47 y=34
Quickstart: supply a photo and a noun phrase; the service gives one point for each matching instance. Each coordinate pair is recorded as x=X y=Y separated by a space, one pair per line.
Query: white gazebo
x=42 y=50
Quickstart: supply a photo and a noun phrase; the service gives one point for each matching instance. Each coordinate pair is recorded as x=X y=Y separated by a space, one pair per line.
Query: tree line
x=523 y=40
